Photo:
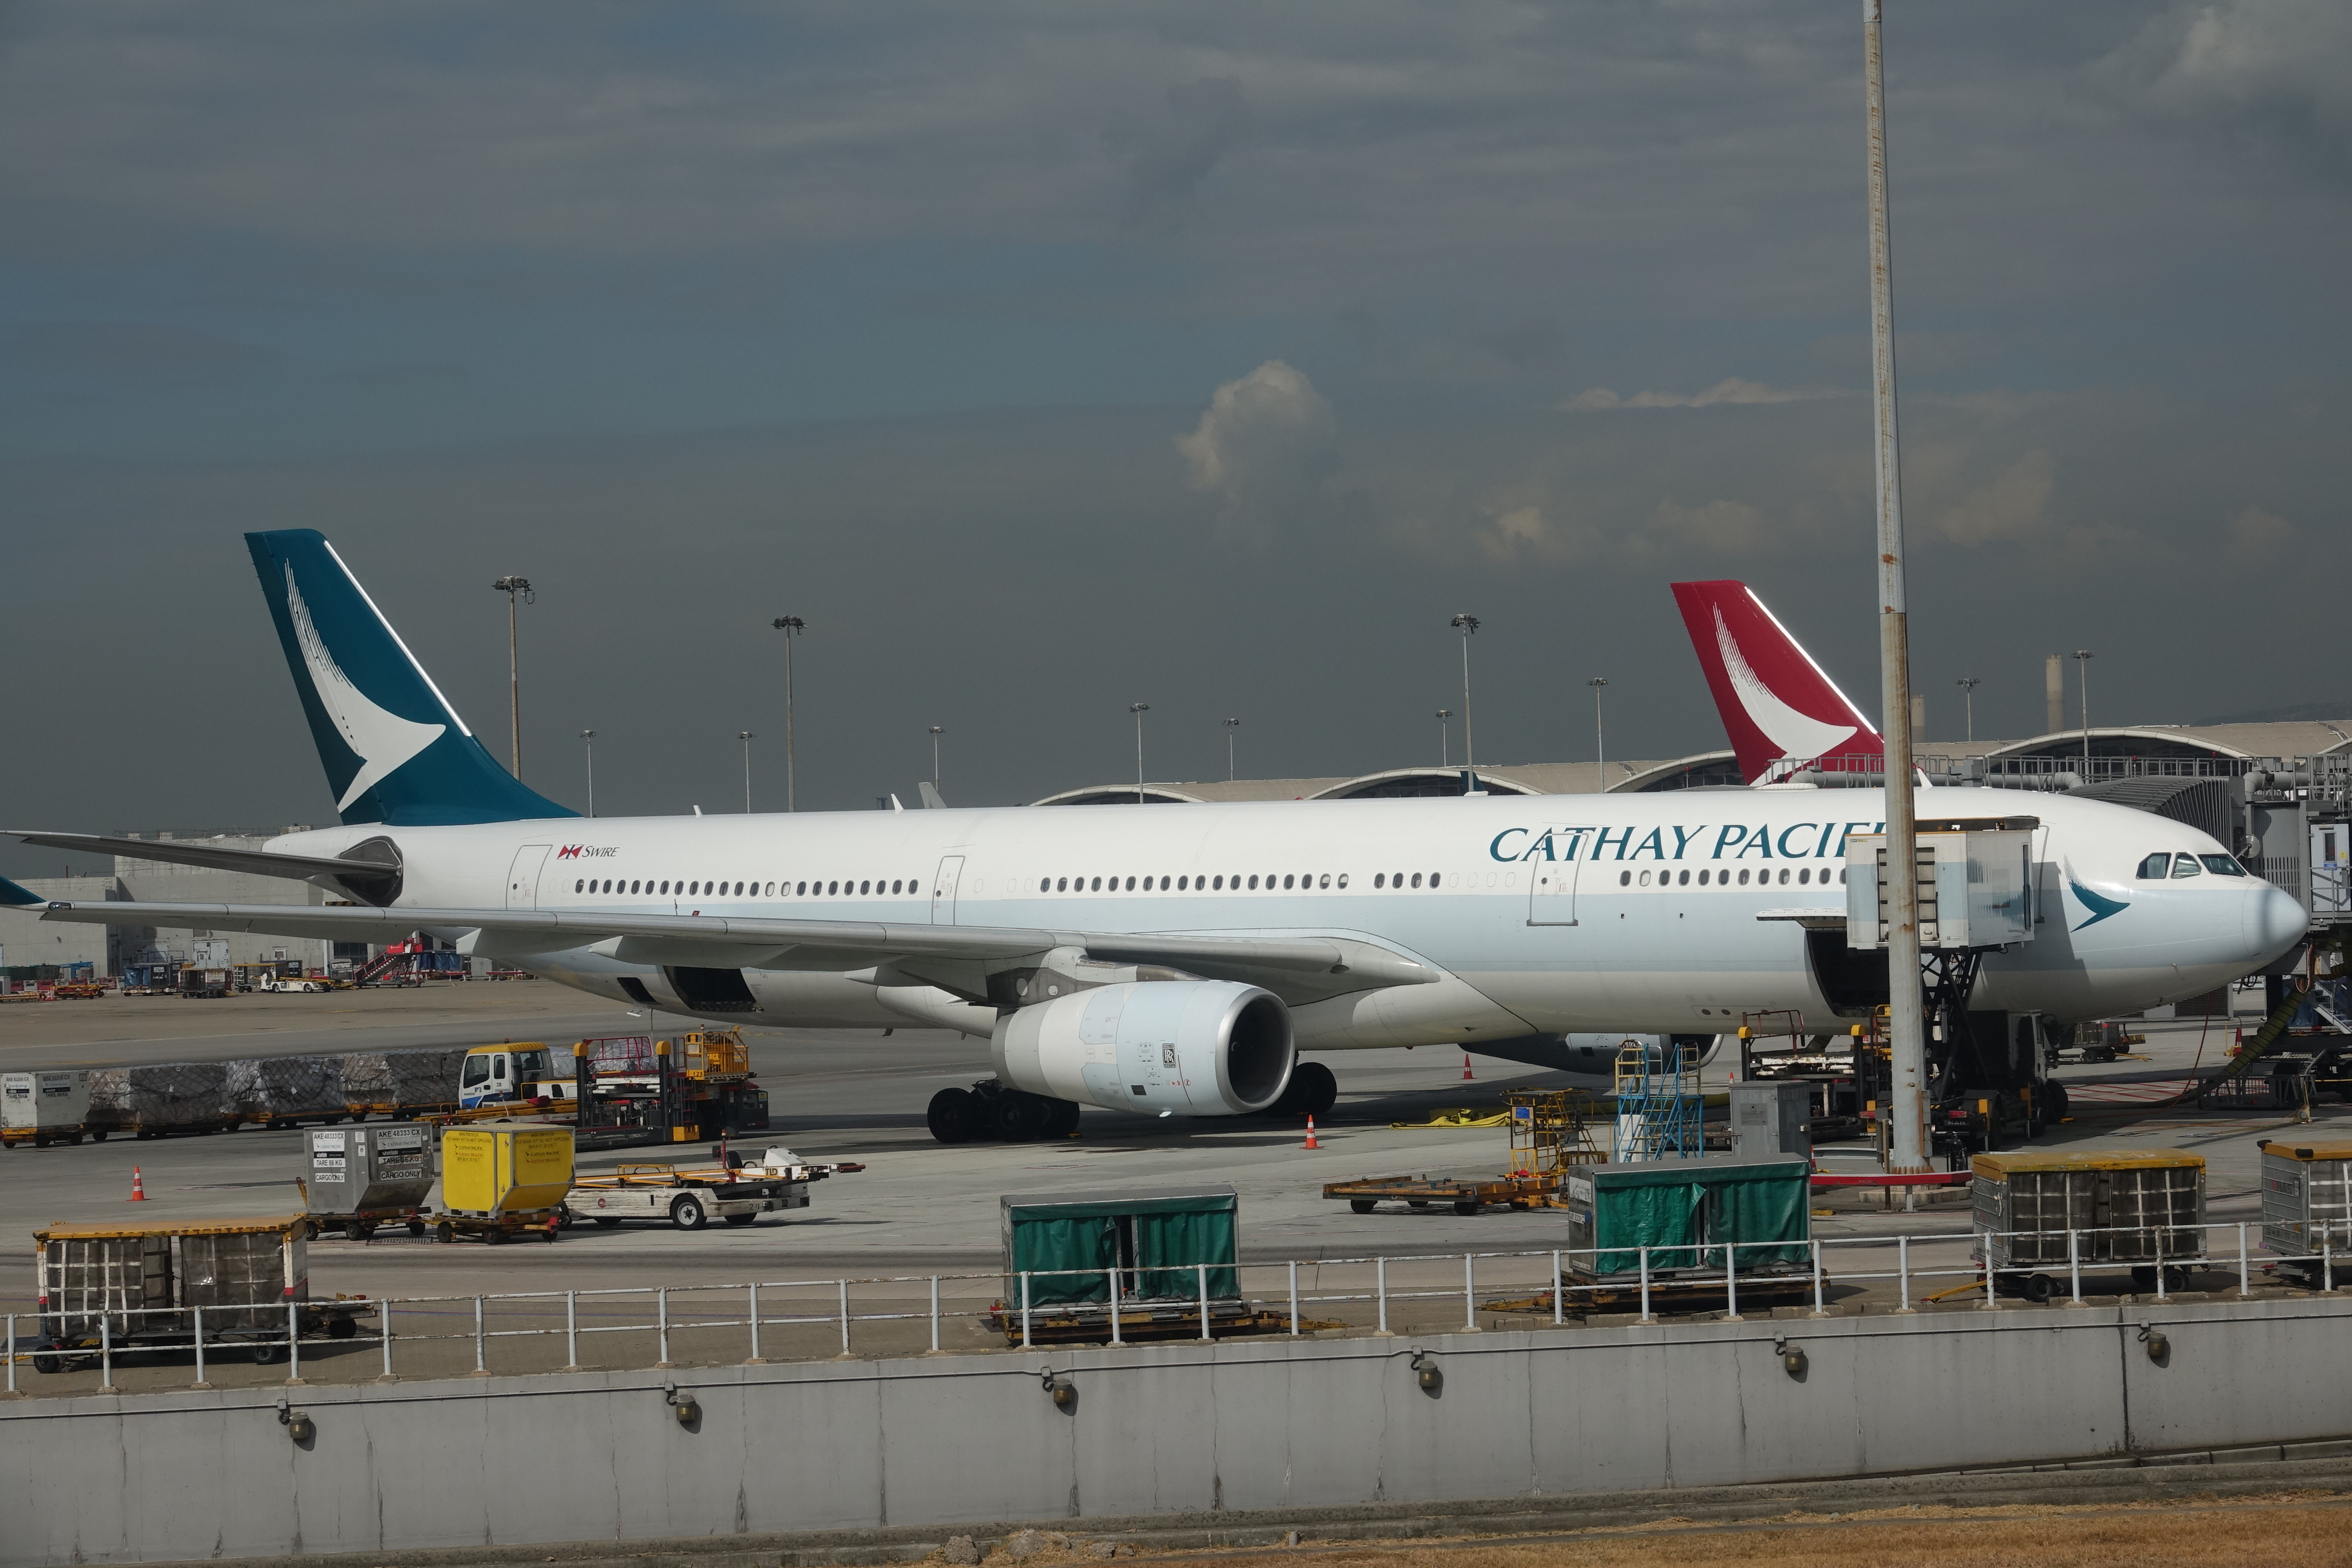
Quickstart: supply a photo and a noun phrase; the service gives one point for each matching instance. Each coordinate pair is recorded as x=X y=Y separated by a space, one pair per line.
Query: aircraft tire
x=954 y=1116
x=1313 y=1089
x=1065 y=1119
x=1022 y=1118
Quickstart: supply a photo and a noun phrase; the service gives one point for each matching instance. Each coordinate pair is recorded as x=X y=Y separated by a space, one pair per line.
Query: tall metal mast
x=1906 y=1012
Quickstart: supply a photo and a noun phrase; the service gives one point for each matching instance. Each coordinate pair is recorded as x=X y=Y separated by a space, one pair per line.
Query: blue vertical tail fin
x=393 y=748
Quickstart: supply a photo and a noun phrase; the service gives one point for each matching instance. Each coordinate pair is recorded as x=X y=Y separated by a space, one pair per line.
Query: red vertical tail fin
x=1778 y=708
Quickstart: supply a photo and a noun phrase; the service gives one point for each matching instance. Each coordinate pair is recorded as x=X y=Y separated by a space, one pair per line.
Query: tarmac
x=920 y=1209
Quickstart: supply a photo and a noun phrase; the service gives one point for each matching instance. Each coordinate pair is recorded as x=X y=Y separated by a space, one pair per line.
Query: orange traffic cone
x=138 y=1187
x=1466 y=1066
x=1310 y=1133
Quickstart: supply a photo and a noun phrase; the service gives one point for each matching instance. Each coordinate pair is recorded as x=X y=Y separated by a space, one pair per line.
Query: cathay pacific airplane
x=1161 y=960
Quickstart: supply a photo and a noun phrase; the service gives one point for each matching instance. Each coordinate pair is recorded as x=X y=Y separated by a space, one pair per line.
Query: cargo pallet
x=1464 y=1197
x=1066 y=1322
x=495 y=1228
x=1675 y=1293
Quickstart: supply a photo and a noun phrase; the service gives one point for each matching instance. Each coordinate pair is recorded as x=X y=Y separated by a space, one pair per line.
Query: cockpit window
x=2156 y=868
x=2184 y=866
x=2222 y=865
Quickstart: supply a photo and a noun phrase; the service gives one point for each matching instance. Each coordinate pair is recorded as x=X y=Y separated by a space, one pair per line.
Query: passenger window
x=1435 y=877
x=1343 y=878
x=1743 y=877
x=1131 y=884
x=1218 y=886
x=800 y=889
x=831 y=889
x=1784 y=876
x=1182 y=883
x=1286 y=881
x=1416 y=878
x=1624 y=878
x=2222 y=865
x=2155 y=868
x=579 y=887
x=2184 y=866
x=1379 y=878
x=1682 y=878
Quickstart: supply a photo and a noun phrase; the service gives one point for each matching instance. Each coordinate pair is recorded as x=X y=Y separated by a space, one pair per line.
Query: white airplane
x=1162 y=961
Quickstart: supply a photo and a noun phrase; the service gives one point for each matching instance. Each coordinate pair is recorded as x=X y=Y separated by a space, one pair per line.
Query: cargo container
x=500 y=1180
x=2306 y=1202
x=140 y=1287
x=2143 y=1208
x=45 y=1108
x=1689 y=1213
x=357 y=1178
x=1139 y=1264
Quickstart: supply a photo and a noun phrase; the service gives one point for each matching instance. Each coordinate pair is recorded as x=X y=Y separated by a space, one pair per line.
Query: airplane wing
x=197 y=852
x=956 y=958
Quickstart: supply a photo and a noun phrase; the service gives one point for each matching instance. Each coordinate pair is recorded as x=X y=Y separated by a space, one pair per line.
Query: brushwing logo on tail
x=1796 y=734
x=383 y=741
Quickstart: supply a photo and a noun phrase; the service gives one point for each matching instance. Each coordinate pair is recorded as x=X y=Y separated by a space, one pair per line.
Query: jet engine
x=1199 y=1048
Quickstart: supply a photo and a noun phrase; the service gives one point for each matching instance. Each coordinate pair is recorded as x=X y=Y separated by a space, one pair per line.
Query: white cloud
x=2281 y=62
x=2256 y=537
x=1265 y=444
x=1731 y=390
x=2013 y=503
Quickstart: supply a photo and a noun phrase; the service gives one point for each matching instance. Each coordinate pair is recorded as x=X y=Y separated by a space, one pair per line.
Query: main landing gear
x=990 y=1111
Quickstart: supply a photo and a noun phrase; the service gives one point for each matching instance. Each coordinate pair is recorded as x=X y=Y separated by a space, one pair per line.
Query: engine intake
x=1202 y=1047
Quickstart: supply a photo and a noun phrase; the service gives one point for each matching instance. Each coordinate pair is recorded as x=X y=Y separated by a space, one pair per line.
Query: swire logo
x=569 y=852
x=591 y=851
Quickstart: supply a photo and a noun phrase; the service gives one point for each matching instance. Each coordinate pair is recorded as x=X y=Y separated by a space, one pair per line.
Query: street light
x=1466 y=625
x=1969 y=684
x=1599 y=751
x=936 y=732
x=1445 y=738
x=791 y=627
x=745 y=736
x=1231 y=725
x=1139 y=709
x=590 y=736
x=511 y=587
x=2083 y=663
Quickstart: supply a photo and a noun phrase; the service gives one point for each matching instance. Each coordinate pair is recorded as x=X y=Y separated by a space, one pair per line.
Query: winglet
x=1780 y=709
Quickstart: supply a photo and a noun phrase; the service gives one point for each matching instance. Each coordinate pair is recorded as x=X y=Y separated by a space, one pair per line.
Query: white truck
x=737 y=1192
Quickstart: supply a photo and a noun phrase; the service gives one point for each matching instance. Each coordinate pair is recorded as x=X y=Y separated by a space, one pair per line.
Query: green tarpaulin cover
x=1686 y=1211
x=1157 y=1239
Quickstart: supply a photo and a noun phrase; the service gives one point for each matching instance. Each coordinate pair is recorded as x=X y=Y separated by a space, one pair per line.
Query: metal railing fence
x=1693 y=1273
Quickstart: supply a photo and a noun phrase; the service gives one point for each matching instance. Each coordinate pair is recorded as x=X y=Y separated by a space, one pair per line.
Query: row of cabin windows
x=1305 y=881
x=1723 y=878
x=2158 y=867
x=871 y=888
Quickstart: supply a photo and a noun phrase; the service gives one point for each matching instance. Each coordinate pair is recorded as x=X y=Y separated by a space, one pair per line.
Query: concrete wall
x=162 y=882
x=1241 y=1425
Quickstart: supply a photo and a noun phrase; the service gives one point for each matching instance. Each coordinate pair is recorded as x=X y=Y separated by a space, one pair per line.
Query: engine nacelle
x=1199 y=1048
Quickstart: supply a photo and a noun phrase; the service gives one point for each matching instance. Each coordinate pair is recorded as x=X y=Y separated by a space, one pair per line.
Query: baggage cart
x=355 y=1179
x=737 y=1191
x=1697 y=1219
x=2040 y=1215
x=1149 y=1260
x=139 y=1287
x=2306 y=1203
x=45 y=1108
x=502 y=1181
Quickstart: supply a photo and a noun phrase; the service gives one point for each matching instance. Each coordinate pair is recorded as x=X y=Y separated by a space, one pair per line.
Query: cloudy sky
x=1049 y=357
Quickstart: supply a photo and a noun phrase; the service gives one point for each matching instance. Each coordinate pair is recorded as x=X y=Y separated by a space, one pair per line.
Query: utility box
x=365 y=1171
x=498 y=1171
x=43 y=1108
x=1772 y=1118
x=1976 y=884
x=1689 y=1213
x=2140 y=1206
x=1157 y=1239
x=2306 y=1197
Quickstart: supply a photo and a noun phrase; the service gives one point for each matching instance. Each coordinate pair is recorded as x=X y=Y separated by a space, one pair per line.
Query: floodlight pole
x=513 y=587
x=1906 y=1009
x=1466 y=625
x=791 y=627
x=1969 y=684
x=1139 y=709
x=1231 y=725
x=745 y=736
x=936 y=730
x=2083 y=663
x=1445 y=738
x=590 y=737
x=1600 y=749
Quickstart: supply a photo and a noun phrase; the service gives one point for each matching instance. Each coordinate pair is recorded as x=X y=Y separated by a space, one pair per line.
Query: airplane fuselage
x=1546 y=914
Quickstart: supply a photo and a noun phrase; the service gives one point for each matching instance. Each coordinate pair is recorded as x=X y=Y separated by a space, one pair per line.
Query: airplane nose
x=2274 y=923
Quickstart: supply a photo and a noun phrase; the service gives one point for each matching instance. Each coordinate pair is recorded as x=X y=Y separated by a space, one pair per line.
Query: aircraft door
x=522 y=877
x=943 y=890
x=1551 y=864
